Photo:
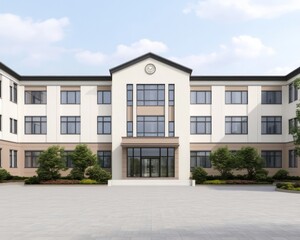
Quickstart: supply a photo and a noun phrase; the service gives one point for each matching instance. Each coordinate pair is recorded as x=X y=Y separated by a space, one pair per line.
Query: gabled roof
x=9 y=71
x=154 y=56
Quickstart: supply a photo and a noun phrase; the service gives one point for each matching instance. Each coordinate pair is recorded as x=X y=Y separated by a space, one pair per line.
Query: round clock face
x=150 y=68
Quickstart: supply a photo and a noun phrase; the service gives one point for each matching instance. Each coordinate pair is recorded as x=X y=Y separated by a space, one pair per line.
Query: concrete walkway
x=111 y=213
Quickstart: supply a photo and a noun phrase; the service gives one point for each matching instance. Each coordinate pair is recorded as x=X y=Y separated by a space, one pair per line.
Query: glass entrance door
x=154 y=167
x=150 y=167
x=146 y=167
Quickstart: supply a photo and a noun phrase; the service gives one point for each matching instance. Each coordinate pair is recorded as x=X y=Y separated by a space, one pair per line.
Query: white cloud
x=34 y=40
x=242 y=9
x=90 y=58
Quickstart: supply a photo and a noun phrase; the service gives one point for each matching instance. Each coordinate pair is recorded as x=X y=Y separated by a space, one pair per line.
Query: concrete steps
x=151 y=182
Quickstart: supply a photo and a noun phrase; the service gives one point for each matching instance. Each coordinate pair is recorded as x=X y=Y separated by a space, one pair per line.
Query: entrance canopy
x=150 y=142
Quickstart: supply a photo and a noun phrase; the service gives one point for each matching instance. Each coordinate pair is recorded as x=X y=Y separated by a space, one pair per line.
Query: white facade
x=133 y=73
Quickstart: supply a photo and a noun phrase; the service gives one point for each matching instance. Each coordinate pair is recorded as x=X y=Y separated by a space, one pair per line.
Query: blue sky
x=213 y=37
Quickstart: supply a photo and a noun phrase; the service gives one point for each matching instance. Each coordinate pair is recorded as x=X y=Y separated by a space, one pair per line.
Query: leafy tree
x=223 y=161
x=248 y=158
x=51 y=162
x=82 y=157
x=98 y=174
x=295 y=131
x=4 y=174
x=199 y=175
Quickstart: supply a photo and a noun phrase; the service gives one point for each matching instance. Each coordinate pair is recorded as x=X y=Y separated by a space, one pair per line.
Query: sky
x=88 y=37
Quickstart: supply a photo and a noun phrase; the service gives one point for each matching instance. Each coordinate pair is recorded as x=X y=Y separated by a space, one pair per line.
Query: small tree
x=51 y=162
x=223 y=161
x=248 y=158
x=82 y=157
x=199 y=175
x=295 y=130
x=98 y=174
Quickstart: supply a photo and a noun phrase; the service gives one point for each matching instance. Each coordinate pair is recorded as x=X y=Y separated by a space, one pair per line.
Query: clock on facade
x=150 y=68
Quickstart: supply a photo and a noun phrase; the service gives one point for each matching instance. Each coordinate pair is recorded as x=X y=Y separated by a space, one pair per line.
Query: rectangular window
x=201 y=125
x=293 y=161
x=70 y=97
x=171 y=94
x=293 y=124
x=13 y=159
x=0 y=122
x=104 y=159
x=271 y=125
x=200 y=159
x=68 y=159
x=13 y=126
x=36 y=125
x=104 y=97
x=236 y=125
x=293 y=93
x=271 y=97
x=150 y=95
x=129 y=129
x=13 y=92
x=35 y=97
x=272 y=159
x=104 y=125
x=200 y=97
x=0 y=157
x=129 y=94
x=171 y=129
x=236 y=97
x=70 y=125
x=31 y=159
x=150 y=126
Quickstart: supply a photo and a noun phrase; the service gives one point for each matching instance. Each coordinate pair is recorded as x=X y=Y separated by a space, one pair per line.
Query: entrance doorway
x=150 y=167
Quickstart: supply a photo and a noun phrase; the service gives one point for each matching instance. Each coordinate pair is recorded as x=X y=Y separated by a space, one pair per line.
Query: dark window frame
x=129 y=94
x=293 y=92
x=171 y=131
x=207 y=121
x=195 y=94
x=33 y=160
x=13 y=158
x=13 y=126
x=13 y=93
x=196 y=156
x=270 y=155
x=293 y=123
x=129 y=128
x=171 y=95
x=229 y=120
x=67 y=122
x=141 y=91
x=268 y=122
x=34 y=99
x=104 y=159
x=293 y=158
x=142 y=118
x=268 y=97
x=101 y=97
x=231 y=97
x=67 y=92
x=68 y=158
x=102 y=121
x=41 y=122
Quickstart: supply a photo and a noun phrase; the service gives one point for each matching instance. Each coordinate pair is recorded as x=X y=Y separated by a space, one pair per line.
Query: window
x=104 y=125
x=129 y=94
x=36 y=125
x=293 y=161
x=171 y=129
x=0 y=89
x=271 y=97
x=293 y=123
x=200 y=125
x=0 y=157
x=200 y=97
x=70 y=125
x=236 y=97
x=171 y=95
x=150 y=126
x=129 y=129
x=35 y=97
x=70 y=97
x=236 y=125
x=271 y=125
x=13 y=159
x=13 y=126
x=200 y=159
x=150 y=95
x=68 y=159
x=0 y=122
x=13 y=92
x=104 y=159
x=104 y=97
x=31 y=159
x=293 y=93
x=272 y=159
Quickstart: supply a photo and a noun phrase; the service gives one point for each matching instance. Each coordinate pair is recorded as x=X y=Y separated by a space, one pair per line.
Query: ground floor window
x=200 y=159
x=31 y=159
x=150 y=162
x=293 y=161
x=104 y=159
x=13 y=158
x=68 y=159
x=272 y=159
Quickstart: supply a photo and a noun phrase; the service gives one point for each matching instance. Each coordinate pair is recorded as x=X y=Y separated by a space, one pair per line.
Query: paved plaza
x=123 y=213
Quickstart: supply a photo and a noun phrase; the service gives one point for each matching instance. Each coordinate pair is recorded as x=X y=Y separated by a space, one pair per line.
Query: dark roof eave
x=66 y=78
x=238 y=78
x=9 y=71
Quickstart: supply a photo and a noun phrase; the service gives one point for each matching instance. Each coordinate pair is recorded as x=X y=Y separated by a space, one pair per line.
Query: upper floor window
x=236 y=97
x=171 y=94
x=36 y=125
x=271 y=124
x=13 y=158
x=150 y=126
x=171 y=129
x=0 y=122
x=129 y=94
x=293 y=93
x=236 y=125
x=104 y=159
x=200 y=97
x=293 y=160
x=32 y=158
x=104 y=97
x=129 y=128
x=150 y=95
x=104 y=124
x=70 y=125
x=13 y=126
x=271 y=97
x=201 y=125
x=35 y=97
x=200 y=159
x=13 y=92
x=70 y=97
x=272 y=159
x=293 y=124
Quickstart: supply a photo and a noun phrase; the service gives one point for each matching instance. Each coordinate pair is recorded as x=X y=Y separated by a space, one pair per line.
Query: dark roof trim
x=238 y=78
x=65 y=78
x=9 y=71
x=293 y=74
x=154 y=56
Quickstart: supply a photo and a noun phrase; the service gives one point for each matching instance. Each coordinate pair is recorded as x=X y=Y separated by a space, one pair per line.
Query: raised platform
x=151 y=182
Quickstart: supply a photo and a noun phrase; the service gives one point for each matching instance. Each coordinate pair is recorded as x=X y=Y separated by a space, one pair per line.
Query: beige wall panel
x=129 y=113
x=236 y=88
x=149 y=111
x=200 y=88
x=107 y=88
x=35 y=88
x=69 y=88
x=271 y=88
x=171 y=114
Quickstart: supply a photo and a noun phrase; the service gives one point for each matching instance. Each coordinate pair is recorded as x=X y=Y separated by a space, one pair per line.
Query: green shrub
x=199 y=175
x=261 y=175
x=32 y=180
x=98 y=174
x=88 y=181
x=281 y=174
x=297 y=184
x=4 y=175
x=214 y=182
